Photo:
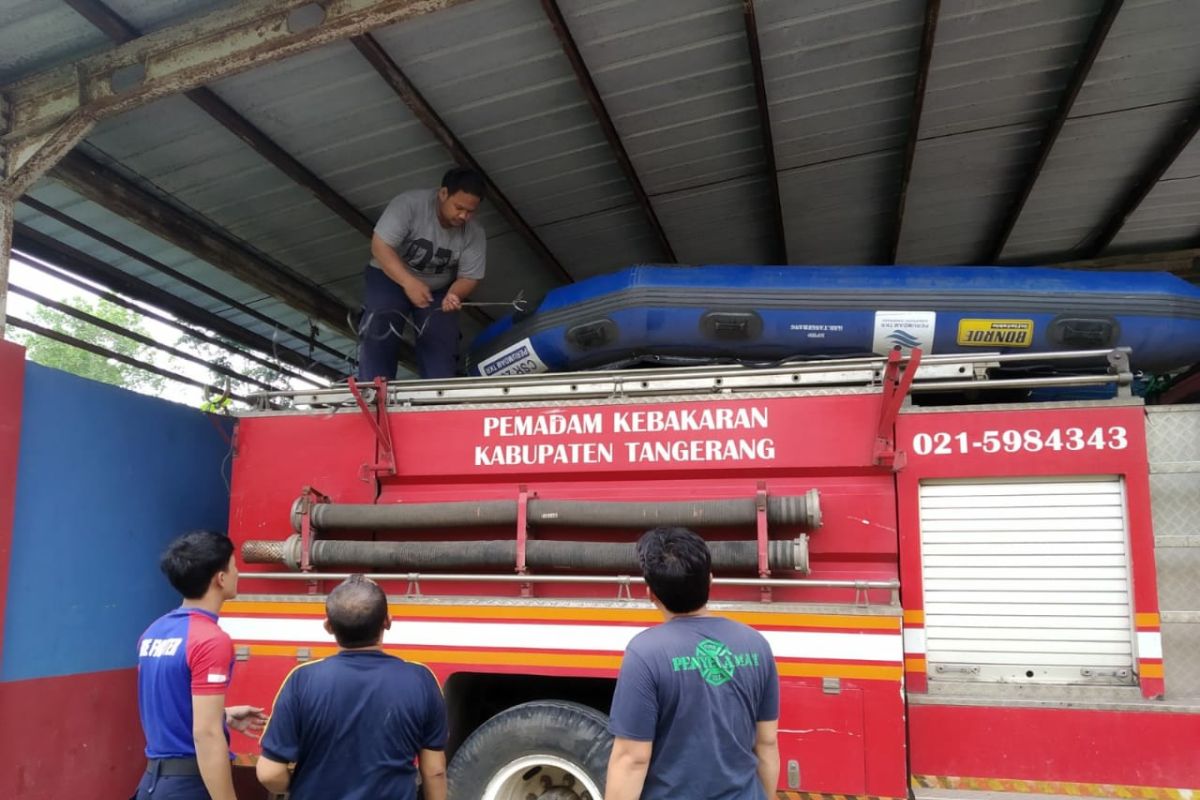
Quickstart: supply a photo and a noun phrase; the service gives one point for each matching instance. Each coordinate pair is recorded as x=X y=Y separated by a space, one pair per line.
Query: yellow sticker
x=995 y=332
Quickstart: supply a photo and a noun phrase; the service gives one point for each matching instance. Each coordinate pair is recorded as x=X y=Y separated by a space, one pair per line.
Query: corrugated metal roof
x=840 y=80
x=677 y=80
x=38 y=34
x=151 y=16
x=35 y=34
x=996 y=76
x=178 y=148
x=1146 y=79
x=498 y=77
x=1169 y=217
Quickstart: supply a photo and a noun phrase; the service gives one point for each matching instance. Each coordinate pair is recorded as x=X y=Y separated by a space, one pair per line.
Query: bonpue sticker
x=908 y=329
x=516 y=359
x=995 y=332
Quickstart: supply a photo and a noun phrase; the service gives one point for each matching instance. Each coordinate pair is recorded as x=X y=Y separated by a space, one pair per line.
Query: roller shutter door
x=1027 y=580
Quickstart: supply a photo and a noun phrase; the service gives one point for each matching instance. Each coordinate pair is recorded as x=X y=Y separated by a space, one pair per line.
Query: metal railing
x=935 y=373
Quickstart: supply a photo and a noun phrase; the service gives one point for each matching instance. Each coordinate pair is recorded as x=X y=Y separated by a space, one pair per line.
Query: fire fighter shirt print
x=696 y=687
x=434 y=254
x=182 y=653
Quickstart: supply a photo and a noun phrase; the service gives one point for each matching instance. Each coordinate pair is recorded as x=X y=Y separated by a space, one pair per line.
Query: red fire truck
x=962 y=594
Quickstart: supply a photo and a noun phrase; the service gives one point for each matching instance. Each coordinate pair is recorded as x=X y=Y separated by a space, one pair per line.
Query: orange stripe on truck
x=611 y=662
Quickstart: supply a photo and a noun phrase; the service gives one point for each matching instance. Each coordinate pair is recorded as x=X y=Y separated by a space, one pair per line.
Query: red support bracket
x=523 y=537
x=896 y=384
x=309 y=497
x=385 y=463
x=760 y=518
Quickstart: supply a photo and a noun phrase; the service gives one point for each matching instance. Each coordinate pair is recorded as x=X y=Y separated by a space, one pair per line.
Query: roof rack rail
x=937 y=373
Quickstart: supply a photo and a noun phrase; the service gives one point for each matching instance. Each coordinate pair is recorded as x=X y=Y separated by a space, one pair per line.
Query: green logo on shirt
x=715 y=662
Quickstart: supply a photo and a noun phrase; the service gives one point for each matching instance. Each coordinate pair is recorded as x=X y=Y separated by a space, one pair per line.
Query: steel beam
x=1167 y=153
x=6 y=241
x=120 y=31
x=928 y=36
x=764 y=124
x=140 y=338
x=1083 y=67
x=186 y=280
x=45 y=248
x=26 y=161
x=106 y=353
x=107 y=188
x=193 y=53
x=109 y=22
x=378 y=58
x=171 y=322
x=588 y=86
x=1186 y=260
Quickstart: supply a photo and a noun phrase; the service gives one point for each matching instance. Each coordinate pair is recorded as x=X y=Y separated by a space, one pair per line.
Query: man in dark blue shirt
x=696 y=708
x=354 y=723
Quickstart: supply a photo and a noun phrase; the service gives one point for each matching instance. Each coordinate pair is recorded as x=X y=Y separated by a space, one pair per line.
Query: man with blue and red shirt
x=185 y=662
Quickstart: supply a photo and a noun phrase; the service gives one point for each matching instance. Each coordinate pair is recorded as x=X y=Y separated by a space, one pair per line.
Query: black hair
x=191 y=561
x=464 y=179
x=357 y=610
x=676 y=564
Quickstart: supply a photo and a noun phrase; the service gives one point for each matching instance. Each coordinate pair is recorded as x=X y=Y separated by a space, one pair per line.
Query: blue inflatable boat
x=758 y=314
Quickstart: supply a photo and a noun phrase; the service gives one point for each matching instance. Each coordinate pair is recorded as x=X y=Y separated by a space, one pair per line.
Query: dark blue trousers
x=387 y=314
x=171 y=787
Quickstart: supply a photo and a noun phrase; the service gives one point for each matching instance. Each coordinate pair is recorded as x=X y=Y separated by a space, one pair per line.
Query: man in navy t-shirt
x=696 y=708
x=185 y=662
x=354 y=723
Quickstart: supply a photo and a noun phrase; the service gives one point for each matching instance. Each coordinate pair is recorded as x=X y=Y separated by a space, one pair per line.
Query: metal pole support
x=760 y=517
x=6 y=238
x=385 y=462
x=523 y=538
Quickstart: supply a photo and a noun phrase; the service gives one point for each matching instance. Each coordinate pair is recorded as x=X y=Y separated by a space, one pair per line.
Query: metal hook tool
x=519 y=302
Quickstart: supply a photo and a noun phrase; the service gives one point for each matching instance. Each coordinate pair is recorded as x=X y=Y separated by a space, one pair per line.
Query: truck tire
x=547 y=749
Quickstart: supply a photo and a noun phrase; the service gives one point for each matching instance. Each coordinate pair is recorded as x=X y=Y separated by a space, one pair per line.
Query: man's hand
x=245 y=719
x=418 y=293
x=451 y=302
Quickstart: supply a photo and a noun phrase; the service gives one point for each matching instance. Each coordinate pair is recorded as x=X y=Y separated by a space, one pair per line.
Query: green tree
x=51 y=353
x=218 y=356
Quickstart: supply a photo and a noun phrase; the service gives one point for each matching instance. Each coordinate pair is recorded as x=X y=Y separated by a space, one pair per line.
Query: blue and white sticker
x=516 y=359
x=909 y=329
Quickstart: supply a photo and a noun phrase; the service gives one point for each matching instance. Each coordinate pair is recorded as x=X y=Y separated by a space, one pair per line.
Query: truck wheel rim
x=543 y=777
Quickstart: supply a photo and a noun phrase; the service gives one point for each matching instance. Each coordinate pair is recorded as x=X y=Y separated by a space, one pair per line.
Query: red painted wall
x=72 y=736
x=12 y=388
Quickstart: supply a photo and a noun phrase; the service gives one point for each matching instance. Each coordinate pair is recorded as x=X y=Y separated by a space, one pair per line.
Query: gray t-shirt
x=434 y=254
x=697 y=687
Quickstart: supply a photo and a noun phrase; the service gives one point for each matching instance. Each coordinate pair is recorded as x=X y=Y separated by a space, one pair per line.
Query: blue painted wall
x=105 y=479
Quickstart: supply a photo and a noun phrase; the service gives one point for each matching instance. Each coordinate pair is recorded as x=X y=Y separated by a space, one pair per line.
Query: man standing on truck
x=696 y=707
x=427 y=256
x=185 y=662
x=353 y=724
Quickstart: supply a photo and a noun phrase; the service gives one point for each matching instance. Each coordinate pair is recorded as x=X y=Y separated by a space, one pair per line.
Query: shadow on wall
x=104 y=478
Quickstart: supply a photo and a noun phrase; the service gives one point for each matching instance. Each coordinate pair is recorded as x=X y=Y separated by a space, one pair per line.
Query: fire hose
x=803 y=510
x=727 y=556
